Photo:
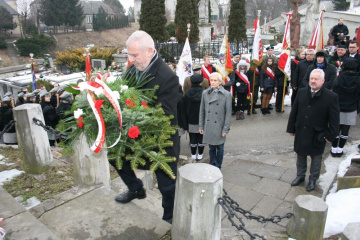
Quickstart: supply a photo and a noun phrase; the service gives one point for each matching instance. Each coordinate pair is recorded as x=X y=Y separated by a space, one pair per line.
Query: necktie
x=313 y=93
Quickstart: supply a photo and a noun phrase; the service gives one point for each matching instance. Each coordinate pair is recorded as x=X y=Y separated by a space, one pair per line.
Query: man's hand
x=201 y=131
x=223 y=134
x=292 y=134
x=327 y=140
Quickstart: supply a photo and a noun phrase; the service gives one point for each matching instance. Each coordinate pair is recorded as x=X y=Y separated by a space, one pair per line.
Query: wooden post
x=283 y=95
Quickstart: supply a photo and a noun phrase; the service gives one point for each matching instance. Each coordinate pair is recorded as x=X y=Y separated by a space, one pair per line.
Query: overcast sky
x=127 y=3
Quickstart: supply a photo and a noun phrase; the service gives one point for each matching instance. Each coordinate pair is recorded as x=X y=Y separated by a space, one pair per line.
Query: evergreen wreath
x=146 y=130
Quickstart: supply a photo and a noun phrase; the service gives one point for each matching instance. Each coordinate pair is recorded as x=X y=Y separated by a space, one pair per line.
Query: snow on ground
x=8 y=175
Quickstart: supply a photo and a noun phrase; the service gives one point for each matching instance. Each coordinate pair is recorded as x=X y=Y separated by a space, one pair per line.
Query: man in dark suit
x=146 y=63
x=353 y=52
x=314 y=121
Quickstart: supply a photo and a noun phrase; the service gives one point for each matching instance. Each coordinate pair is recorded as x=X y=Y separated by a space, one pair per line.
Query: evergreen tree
x=187 y=12
x=131 y=14
x=145 y=16
x=100 y=21
x=51 y=12
x=158 y=20
x=237 y=21
x=6 y=20
x=341 y=5
x=75 y=13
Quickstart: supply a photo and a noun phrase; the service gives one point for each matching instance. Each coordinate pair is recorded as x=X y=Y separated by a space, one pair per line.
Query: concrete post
x=351 y=231
x=309 y=218
x=197 y=214
x=33 y=140
x=90 y=168
x=120 y=59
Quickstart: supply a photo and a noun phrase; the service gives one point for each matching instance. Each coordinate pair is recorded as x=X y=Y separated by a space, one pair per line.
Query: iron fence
x=172 y=51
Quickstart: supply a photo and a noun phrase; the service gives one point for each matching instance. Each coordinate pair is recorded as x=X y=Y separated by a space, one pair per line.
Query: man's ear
x=150 y=52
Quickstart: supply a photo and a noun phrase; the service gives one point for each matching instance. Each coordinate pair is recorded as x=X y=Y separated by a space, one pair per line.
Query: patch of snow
x=1 y=157
x=343 y=208
x=31 y=202
x=8 y=175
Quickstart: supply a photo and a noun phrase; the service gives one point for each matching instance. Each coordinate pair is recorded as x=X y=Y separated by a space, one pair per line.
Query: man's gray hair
x=309 y=50
x=216 y=74
x=143 y=37
x=322 y=74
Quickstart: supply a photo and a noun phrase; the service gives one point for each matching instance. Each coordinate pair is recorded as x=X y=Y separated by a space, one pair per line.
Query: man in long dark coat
x=146 y=62
x=314 y=121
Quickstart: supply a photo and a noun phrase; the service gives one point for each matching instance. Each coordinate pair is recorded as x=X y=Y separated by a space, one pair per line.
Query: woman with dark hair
x=300 y=55
x=267 y=83
x=49 y=113
x=347 y=86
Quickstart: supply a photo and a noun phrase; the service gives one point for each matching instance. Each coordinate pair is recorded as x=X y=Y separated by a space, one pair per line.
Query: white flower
x=116 y=94
x=110 y=79
x=78 y=113
x=83 y=86
x=99 y=91
x=124 y=88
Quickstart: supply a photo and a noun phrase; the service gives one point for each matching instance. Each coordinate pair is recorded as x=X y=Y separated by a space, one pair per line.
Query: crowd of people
x=53 y=104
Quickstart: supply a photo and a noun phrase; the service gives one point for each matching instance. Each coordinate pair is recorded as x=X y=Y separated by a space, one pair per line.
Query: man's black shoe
x=168 y=220
x=128 y=196
x=297 y=181
x=310 y=186
x=278 y=110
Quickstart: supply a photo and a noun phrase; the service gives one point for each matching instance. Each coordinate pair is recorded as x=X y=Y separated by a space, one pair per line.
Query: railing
x=171 y=51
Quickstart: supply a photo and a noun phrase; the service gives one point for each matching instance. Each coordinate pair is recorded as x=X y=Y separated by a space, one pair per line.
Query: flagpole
x=283 y=97
x=252 y=93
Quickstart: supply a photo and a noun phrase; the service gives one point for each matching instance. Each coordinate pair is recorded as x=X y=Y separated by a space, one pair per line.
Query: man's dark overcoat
x=312 y=119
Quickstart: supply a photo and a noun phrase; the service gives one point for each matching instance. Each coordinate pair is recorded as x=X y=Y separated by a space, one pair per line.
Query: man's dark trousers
x=315 y=166
x=165 y=183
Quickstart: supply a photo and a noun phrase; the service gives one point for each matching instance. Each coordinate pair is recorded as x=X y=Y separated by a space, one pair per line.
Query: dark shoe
x=334 y=155
x=263 y=111
x=128 y=196
x=254 y=111
x=168 y=220
x=267 y=110
x=297 y=181
x=278 y=110
x=339 y=154
x=237 y=115
x=242 y=115
x=310 y=186
x=270 y=107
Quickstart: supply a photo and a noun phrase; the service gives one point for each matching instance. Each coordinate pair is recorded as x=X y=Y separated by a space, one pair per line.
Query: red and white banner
x=284 y=63
x=257 y=49
x=224 y=64
x=286 y=38
x=317 y=39
x=183 y=68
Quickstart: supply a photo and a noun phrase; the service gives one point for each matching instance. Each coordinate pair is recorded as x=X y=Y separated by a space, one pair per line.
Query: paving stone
x=283 y=209
x=243 y=165
x=240 y=178
x=288 y=176
x=271 y=159
x=273 y=188
x=286 y=162
x=245 y=197
x=266 y=206
x=8 y=205
x=268 y=171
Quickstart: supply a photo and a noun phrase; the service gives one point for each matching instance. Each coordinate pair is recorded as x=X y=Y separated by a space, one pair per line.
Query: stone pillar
x=90 y=168
x=204 y=25
x=197 y=214
x=351 y=231
x=309 y=218
x=32 y=139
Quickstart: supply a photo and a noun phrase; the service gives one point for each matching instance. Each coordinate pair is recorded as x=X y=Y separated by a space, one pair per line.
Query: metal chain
x=7 y=127
x=231 y=208
x=48 y=128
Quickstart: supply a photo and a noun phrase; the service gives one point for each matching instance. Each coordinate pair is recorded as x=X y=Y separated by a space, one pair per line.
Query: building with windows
x=11 y=6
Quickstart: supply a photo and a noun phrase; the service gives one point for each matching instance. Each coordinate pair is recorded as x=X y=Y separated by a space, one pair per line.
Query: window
x=89 y=19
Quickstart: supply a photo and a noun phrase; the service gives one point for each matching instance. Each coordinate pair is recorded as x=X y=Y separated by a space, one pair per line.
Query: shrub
x=37 y=44
x=2 y=42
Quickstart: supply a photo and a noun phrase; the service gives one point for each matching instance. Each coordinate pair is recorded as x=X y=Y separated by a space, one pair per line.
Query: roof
x=7 y=7
x=92 y=7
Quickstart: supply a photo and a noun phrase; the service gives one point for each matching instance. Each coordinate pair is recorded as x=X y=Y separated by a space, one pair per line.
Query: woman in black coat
x=347 y=86
x=267 y=83
x=300 y=55
x=50 y=117
x=190 y=116
x=242 y=89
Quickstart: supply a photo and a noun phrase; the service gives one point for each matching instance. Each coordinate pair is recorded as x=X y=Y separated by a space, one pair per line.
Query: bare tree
x=24 y=9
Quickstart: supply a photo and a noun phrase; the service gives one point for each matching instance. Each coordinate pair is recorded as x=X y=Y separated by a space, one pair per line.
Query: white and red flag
x=183 y=68
x=284 y=63
x=257 y=49
x=224 y=64
x=317 y=39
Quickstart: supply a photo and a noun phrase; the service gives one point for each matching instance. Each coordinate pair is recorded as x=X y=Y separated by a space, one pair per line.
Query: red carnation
x=144 y=104
x=130 y=103
x=133 y=132
x=80 y=122
x=98 y=104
